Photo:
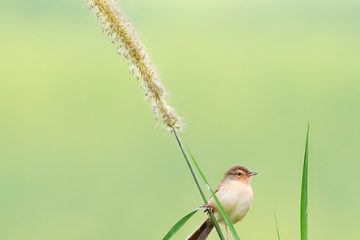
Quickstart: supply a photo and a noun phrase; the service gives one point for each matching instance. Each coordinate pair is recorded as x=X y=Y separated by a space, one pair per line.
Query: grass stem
x=184 y=153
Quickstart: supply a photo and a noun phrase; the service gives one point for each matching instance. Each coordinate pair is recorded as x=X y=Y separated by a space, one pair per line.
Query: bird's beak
x=252 y=174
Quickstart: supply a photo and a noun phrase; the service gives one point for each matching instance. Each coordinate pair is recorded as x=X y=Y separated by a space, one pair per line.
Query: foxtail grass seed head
x=121 y=33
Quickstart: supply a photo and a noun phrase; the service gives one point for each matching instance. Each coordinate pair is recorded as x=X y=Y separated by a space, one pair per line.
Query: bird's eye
x=240 y=173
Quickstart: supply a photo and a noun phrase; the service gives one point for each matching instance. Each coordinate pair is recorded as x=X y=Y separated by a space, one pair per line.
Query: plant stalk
x=184 y=153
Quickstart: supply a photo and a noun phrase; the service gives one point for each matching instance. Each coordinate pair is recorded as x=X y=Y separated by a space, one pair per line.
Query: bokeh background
x=81 y=156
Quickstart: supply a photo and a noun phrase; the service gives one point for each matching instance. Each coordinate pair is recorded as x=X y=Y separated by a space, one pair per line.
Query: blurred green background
x=82 y=158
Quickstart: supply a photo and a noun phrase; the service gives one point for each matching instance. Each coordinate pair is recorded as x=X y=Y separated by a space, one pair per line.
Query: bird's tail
x=203 y=231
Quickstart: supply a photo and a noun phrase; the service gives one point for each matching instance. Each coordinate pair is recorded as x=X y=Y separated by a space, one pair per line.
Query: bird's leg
x=207 y=208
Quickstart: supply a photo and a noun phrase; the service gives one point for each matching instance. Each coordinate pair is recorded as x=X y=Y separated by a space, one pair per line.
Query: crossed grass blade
x=179 y=224
x=217 y=202
x=195 y=177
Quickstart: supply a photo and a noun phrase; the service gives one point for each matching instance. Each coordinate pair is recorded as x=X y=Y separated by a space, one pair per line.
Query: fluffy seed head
x=121 y=33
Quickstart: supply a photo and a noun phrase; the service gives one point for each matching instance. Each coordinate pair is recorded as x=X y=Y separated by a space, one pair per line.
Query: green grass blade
x=191 y=168
x=179 y=224
x=224 y=214
x=217 y=202
x=304 y=192
x=277 y=228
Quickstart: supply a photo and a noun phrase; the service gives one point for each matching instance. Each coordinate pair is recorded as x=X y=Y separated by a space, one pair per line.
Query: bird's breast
x=236 y=198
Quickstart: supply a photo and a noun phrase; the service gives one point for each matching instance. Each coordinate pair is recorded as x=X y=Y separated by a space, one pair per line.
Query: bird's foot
x=207 y=208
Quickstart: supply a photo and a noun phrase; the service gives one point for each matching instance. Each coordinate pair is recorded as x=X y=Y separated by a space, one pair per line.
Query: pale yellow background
x=81 y=157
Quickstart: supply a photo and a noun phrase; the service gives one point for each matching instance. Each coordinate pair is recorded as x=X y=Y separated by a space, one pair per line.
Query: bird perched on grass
x=235 y=195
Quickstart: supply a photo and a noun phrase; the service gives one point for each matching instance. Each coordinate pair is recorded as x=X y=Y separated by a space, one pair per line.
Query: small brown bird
x=235 y=195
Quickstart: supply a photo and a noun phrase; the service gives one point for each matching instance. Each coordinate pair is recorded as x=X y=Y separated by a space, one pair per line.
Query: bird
x=235 y=195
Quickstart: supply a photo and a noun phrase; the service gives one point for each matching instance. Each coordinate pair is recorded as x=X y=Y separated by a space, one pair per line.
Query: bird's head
x=239 y=173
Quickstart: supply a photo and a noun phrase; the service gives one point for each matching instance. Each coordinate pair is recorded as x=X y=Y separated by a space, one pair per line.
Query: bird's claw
x=207 y=208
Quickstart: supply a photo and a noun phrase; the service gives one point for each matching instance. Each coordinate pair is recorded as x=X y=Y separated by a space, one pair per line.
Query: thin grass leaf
x=304 y=192
x=181 y=146
x=277 y=228
x=179 y=224
x=218 y=204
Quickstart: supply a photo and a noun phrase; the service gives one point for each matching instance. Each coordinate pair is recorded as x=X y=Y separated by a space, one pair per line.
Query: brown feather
x=203 y=231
